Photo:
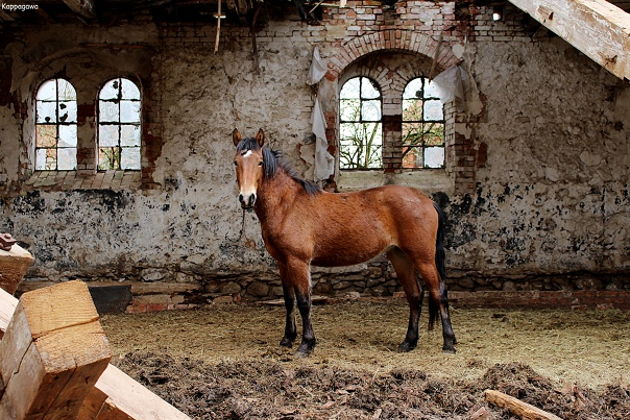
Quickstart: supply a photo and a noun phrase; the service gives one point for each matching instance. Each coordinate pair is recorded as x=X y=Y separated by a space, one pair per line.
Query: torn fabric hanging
x=318 y=68
x=324 y=161
x=450 y=83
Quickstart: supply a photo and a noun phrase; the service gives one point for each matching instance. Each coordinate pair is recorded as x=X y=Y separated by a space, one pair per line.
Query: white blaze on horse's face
x=249 y=175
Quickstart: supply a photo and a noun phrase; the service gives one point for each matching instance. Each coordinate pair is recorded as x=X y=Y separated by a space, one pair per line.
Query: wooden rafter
x=84 y=8
x=596 y=27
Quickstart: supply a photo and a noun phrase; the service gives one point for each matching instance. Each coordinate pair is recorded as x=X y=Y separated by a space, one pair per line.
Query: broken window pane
x=129 y=111
x=412 y=157
x=68 y=135
x=434 y=157
x=433 y=110
x=67 y=159
x=46 y=112
x=433 y=134
x=108 y=135
x=130 y=90
x=110 y=90
x=108 y=111
x=68 y=112
x=412 y=110
x=412 y=134
x=369 y=90
x=108 y=158
x=129 y=135
x=430 y=90
x=371 y=111
x=413 y=90
x=350 y=89
x=45 y=135
x=350 y=110
x=130 y=158
x=46 y=159
x=47 y=91
x=66 y=91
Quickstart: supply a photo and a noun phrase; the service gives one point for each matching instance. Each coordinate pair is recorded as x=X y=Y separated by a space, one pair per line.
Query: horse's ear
x=260 y=137
x=236 y=136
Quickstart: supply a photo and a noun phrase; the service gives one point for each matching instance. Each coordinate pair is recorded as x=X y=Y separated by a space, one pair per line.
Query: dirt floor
x=224 y=362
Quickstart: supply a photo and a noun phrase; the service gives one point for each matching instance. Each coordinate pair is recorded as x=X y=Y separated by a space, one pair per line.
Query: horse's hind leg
x=290 y=331
x=409 y=281
x=438 y=299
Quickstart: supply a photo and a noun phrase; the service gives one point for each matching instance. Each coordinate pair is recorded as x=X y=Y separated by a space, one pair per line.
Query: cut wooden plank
x=518 y=407
x=115 y=396
x=598 y=28
x=13 y=266
x=48 y=366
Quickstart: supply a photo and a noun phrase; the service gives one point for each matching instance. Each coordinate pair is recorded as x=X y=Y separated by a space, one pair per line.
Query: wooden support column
x=52 y=354
x=598 y=28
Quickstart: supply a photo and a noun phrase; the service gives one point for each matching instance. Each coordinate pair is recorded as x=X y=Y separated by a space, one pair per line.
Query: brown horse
x=304 y=226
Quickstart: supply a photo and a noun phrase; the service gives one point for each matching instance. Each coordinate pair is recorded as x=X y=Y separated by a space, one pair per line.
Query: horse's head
x=249 y=163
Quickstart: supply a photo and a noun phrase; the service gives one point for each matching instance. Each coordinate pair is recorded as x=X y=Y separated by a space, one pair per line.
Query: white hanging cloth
x=324 y=161
x=450 y=83
x=318 y=68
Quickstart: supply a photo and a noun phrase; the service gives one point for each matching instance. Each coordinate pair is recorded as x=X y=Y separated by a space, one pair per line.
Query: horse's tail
x=439 y=263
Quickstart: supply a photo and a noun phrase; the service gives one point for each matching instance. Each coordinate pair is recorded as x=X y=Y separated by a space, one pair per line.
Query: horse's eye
x=260 y=163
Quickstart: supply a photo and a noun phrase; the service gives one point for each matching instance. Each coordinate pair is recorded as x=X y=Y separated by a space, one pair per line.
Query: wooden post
x=518 y=407
x=52 y=354
x=13 y=266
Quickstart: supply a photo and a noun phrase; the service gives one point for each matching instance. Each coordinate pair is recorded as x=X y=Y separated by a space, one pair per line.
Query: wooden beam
x=84 y=8
x=518 y=407
x=115 y=396
x=13 y=266
x=52 y=354
x=596 y=27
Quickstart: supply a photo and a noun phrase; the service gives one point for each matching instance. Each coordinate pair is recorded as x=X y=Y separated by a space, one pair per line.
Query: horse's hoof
x=304 y=350
x=449 y=349
x=286 y=342
x=405 y=347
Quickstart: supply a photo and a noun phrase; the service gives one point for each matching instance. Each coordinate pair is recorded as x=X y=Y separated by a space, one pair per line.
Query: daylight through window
x=56 y=126
x=119 y=128
x=361 y=131
x=423 y=126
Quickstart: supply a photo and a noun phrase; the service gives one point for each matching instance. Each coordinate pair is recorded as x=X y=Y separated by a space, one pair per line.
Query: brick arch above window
x=392 y=39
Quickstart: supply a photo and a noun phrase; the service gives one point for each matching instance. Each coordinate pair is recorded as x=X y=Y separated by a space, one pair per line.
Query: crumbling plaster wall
x=549 y=198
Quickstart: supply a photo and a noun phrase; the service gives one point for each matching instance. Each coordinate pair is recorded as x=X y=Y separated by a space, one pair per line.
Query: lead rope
x=240 y=235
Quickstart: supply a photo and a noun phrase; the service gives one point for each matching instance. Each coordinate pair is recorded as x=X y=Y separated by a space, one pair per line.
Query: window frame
x=55 y=124
x=422 y=146
x=361 y=120
x=118 y=123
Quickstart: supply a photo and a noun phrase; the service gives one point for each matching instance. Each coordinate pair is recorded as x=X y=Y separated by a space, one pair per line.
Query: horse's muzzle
x=247 y=202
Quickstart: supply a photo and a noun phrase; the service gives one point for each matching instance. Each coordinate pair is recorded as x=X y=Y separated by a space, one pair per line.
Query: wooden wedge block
x=53 y=352
x=518 y=407
x=115 y=396
x=13 y=266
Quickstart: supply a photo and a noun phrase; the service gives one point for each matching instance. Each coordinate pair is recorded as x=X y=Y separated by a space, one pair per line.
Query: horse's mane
x=272 y=160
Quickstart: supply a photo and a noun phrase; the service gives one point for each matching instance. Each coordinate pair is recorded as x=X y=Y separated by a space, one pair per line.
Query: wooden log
x=518 y=407
x=115 y=396
x=13 y=266
x=52 y=354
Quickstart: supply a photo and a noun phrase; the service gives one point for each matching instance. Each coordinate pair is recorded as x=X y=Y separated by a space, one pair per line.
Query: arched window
x=423 y=126
x=56 y=126
x=119 y=125
x=360 y=127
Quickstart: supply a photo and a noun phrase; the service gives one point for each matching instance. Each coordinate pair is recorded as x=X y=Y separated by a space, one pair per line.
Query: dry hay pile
x=273 y=390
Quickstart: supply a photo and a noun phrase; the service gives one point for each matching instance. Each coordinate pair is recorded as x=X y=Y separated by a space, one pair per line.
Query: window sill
x=71 y=180
x=427 y=180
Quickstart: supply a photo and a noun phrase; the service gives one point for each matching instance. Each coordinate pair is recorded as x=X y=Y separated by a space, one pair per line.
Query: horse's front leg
x=290 y=330
x=300 y=278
